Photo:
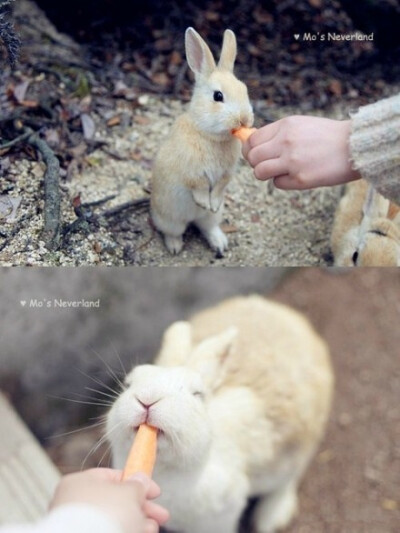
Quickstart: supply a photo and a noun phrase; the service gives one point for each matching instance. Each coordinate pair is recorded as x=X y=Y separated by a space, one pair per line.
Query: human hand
x=126 y=502
x=301 y=152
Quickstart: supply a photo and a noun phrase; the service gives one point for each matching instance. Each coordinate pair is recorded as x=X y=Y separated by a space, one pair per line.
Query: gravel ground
x=91 y=106
x=265 y=226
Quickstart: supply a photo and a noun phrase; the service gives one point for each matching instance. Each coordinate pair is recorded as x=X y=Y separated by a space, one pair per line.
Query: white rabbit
x=195 y=163
x=240 y=395
x=366 y=229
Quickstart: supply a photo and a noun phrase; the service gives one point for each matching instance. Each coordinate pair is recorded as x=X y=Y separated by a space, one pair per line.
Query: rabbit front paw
x=202 y=198
x=216 y=202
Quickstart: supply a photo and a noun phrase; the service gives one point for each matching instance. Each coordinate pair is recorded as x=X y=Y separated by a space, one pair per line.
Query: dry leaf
x=229 y=228
x=88 y=126
x=114 y=121
x=19 y=91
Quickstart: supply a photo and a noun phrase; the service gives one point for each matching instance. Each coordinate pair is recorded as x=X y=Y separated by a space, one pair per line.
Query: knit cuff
x=375 y=145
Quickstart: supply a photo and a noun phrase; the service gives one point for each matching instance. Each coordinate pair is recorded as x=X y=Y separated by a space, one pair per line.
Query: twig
x=99 y=202
x=140 y=202
x=15 y=141
x=51 y=230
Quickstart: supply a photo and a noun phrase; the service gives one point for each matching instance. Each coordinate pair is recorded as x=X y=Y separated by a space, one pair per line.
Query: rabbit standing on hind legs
x=196 y=162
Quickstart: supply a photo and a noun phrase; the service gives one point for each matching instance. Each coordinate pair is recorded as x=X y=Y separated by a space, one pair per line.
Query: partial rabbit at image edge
x=366 y=229
x=240 y=395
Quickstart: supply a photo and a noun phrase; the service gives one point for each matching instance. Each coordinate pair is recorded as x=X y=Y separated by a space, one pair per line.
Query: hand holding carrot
x=128 y=504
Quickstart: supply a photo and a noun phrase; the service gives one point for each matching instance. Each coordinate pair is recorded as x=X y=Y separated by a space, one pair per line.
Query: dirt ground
x=352 y=485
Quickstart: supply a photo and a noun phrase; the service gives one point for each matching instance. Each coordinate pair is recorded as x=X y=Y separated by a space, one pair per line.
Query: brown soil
x=353 y=485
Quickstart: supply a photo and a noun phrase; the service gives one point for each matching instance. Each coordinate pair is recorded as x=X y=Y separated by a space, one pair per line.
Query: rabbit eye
x=354 y=258
x=218 y=96
x=199 y=394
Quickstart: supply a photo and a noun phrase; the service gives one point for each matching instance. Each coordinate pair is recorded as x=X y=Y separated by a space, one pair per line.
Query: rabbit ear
x=228 y=53
x=209 y=356
x=176 y=345
x=198 y=54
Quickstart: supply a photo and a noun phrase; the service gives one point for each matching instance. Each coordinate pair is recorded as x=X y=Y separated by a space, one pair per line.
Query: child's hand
x=127 y=503
x=301 y=152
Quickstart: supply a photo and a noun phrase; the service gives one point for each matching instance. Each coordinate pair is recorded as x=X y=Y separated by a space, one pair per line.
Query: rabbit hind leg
x=276 y=510
x=208 y=224
x=172 y=231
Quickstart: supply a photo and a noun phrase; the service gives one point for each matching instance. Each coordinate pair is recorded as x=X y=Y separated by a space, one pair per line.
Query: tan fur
x=379 y=242
x=271 y=398
x=280 y=357
x=241 y=394
x=197 y=159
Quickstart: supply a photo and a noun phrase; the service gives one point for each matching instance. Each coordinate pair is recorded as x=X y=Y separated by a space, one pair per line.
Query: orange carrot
x=243 y=133
x=142 y=455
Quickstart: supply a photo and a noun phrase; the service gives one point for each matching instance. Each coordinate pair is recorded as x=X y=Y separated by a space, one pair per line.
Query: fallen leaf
x=163 y=45
x=143 y=121
x=325 y=456
x=136 y=155
x=76 y=201
x=176 y=58
x=255 y=217
x=19 y=91
x=114 y=121
x=31 y=104
x=97 y=247
x=389 y=505
x=212 y=16
x=160 y=78
x=335 y=87
x=88 y=126
x=229 y=228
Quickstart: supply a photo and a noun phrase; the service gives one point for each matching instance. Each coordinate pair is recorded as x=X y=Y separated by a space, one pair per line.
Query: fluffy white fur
x=241 y=395
x=195 y=163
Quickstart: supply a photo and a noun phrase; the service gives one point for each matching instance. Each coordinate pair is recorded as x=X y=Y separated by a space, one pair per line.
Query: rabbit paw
x=201 y=198
x=276 y=511
x=174 y=244
x=217 y=240
x=216 y=203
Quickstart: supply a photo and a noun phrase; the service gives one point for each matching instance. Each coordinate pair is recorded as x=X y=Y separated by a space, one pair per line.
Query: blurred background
x=51 y=359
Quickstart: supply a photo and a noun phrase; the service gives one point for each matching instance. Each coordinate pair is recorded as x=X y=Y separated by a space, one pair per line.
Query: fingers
x=270 y=168
x=156 y=512
x=263 y=152
x=261 y=136
x=104 y=474
x=289 y=184
x=152 y=490
x=151 y=526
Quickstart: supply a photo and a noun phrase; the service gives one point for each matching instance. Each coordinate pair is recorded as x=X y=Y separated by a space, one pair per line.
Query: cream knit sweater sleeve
x=375 y=145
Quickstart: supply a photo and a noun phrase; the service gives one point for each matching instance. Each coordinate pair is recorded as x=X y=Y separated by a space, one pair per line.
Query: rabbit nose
x=146 y=404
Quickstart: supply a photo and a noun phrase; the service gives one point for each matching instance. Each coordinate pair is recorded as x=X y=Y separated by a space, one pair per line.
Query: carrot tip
x=142 y=455
x=243 y=133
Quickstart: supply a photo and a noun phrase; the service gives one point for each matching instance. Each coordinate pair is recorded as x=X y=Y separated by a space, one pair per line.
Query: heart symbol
x=23 y=303
x=296 y=36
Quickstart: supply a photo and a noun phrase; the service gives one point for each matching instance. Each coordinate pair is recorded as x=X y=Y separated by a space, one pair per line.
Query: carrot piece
x=142 y=455
x=243 y=133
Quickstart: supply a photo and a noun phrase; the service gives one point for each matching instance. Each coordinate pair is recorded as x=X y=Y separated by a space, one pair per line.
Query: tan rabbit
x=196 y=162
x=366 y=229
x=240 y=394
